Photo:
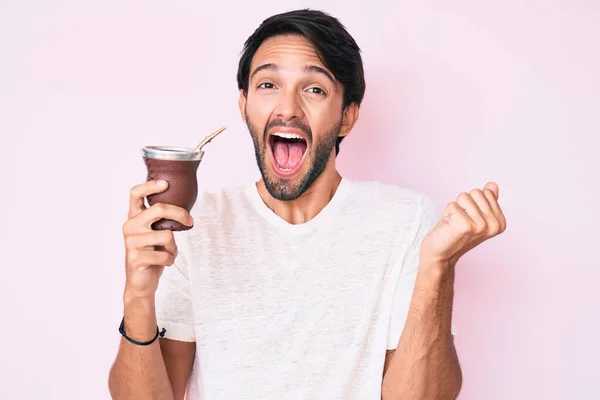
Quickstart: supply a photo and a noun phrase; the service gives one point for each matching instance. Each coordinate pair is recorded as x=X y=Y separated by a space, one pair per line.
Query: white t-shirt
x=282 y=311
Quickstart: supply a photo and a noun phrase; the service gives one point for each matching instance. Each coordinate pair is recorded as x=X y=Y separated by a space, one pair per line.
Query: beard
x=318 y=156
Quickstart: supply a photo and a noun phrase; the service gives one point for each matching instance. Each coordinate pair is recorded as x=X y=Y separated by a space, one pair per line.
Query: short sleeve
x=426 y=218
x=174 y=299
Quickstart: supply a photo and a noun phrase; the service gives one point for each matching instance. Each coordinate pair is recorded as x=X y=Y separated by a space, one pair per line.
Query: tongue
x=288 y=153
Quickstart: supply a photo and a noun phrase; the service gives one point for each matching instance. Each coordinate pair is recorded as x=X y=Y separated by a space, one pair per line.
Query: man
x=306 y=284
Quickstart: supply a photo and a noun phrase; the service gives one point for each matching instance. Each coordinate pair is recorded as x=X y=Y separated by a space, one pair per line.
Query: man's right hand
x=147 y=251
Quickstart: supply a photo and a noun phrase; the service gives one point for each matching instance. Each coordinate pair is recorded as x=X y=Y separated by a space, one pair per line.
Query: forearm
x=139 y=372
x=425 y=364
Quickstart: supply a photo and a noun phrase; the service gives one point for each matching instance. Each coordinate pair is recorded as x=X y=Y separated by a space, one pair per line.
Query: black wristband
x=122 y=332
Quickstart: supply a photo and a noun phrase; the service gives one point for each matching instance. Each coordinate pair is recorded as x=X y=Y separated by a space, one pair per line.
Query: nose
x=289 y=107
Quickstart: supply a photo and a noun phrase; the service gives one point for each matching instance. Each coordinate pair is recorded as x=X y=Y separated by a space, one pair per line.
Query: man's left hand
x=467 y=222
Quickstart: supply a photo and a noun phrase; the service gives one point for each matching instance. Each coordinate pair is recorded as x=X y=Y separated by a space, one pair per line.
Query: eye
x=266 y=85
x=316 y=90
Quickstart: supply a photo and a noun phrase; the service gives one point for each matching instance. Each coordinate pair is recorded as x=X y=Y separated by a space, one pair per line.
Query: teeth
x=287 y=135
x=283 y=169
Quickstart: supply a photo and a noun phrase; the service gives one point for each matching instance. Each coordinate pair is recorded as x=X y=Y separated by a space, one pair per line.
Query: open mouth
x=288 y=150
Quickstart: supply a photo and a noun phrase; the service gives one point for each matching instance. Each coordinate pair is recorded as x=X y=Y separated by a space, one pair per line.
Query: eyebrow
x=308 y=69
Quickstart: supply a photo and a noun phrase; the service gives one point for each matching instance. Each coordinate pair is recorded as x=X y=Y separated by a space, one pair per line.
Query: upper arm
x=389 y=354
x=388 y=359
x=408 y=265
x=407 y=268
x=179 y=358
x=174 y=314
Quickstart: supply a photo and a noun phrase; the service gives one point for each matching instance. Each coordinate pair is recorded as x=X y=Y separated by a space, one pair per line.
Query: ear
x=349 y=118
x=242 y=104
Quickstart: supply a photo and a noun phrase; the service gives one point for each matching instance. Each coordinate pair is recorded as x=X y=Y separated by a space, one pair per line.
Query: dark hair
x=336 y=48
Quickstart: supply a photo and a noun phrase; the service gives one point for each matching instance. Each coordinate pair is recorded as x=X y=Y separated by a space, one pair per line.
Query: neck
x=310 y=203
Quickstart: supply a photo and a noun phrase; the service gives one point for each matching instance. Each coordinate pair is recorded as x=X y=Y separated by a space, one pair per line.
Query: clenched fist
x=147 y=251
x=467 y=222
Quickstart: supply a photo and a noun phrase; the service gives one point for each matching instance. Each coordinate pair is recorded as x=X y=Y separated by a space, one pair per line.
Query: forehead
x=286 y=51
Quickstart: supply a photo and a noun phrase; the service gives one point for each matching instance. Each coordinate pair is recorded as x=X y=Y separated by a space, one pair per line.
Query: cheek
x=260 y=105
x=258 y=113
x=323 y=116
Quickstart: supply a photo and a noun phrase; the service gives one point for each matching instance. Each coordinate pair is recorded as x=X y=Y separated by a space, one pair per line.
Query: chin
x=285 y=188
x=292 y=187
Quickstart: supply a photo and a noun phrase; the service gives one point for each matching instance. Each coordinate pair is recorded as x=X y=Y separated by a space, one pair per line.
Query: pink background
x=458 y=94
